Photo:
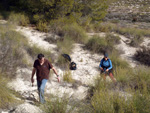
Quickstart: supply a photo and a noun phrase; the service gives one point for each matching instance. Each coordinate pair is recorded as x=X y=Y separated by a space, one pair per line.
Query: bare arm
x=56 y=74
x=33 y=72
x=54 y=70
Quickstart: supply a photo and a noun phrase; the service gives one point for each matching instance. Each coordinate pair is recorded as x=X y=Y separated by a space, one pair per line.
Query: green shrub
x=75 y=32
x=65 y=45
x=97 y=44
x=19 y=19
x=112 y=40
x=34 y=50
x=137 y=79
x=117 y=61
x=134 y=82
x=103 y=27
x=57 y=105
x=136 y=41
x=100 y=44
x=42 y=26
x=142 y=55
x=67 y=76
x=68 y=28
x=57 y=25
x=6 y=97
x=11 y=45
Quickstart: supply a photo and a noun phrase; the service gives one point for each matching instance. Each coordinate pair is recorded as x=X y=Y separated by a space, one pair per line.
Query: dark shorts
x=110 y=71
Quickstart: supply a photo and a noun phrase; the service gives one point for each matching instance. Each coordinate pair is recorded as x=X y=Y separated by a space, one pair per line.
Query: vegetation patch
x=67 y=76
x=11 y=45
x=57 y=105
x=18 y=19
x=7 y=98
x=142 y=55
x=102 y=44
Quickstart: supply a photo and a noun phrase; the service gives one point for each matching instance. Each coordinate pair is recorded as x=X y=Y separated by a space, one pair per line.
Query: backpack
x=72 y=65
x=67 y=57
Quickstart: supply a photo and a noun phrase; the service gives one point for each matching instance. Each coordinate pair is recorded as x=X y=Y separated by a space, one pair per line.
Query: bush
x=68 y=28
x=137 y=79
x=65 y=45
x=34 y=50
x=136 y=41
x=102 y=44
x=68 y=77
x=11 y=55
x=19 y=19
x=112 y=40
x=75 y=32
x=42 y=26
x=117 y=61
x=134 y=82
x=97 y=44
x=6 y=97
x=57 y=105
x=103 y=27
x=142 y=55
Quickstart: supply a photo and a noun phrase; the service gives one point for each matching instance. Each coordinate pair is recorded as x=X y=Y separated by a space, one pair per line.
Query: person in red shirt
x=42 y=69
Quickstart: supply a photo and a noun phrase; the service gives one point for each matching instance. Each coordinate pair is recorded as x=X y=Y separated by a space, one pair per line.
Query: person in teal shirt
x=106 y=67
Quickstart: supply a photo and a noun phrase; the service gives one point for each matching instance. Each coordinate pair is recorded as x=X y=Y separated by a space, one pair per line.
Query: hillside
x=127 y=42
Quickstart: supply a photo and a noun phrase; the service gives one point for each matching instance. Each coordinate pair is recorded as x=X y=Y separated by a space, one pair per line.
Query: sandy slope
x=87 y=68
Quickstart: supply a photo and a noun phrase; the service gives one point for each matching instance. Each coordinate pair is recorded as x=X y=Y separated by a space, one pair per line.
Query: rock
x=27 y=108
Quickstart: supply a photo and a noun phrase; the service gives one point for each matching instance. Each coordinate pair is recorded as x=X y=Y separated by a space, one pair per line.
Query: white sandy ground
x=87 y=69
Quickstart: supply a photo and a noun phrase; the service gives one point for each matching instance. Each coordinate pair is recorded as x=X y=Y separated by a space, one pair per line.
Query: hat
x=105 y=55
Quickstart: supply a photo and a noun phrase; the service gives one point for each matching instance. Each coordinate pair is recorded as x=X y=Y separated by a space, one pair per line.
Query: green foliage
x=142 y=55
x=117 y=61
x=97 y=44
x=137 y=79
x=34 y=50
x=136 y=41
x=127 y=31
x=65 y=27
x=19 y=19
x=57 y=105
x=96 y=9
x=55 y=9
x=6 y=97
x=42 y=26
x=11 y=45
x=75 y=32
x=134 y=82
x=67 y=76
x=66 y=45
x=102 y=44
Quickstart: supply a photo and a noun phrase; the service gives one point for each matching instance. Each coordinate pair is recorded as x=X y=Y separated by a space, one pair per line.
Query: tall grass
x=11 y=55
x=127 y=31
x=57 y=105
x=18 y=19
x=134 y=82
x=142 y=55
x=102 y=44
x=34 y=50
x=75 y=32
x=6 y=97
x=68 y=28
x=67 y=76
x=65 y=45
